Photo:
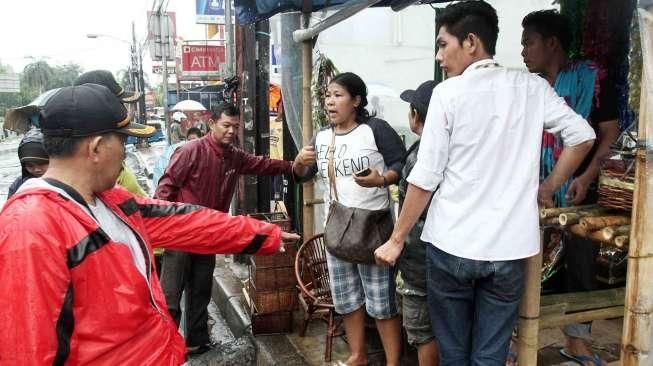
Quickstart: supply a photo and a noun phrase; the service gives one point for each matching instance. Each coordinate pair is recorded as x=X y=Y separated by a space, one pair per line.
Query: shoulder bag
x=352 y=234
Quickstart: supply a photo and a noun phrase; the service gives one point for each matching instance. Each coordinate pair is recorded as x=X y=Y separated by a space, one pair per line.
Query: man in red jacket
x=205 y=172
x=78 y=281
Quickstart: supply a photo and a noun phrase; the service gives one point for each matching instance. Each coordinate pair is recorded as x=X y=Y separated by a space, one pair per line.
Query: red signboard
x=202 y=57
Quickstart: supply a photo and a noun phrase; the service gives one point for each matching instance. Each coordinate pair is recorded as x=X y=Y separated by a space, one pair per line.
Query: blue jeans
x=473 y=307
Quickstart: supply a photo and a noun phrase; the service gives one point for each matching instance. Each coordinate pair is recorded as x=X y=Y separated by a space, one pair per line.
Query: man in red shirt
x=205 y=172
x=76 y=251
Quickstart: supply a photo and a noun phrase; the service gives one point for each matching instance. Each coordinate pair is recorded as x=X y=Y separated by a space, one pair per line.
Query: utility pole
x=229 y=55
x=163 y=27
x=262 y=109
x=137 y=75
x=141 y=87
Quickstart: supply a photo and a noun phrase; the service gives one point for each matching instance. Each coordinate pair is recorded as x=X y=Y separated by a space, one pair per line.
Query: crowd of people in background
x=469 y=190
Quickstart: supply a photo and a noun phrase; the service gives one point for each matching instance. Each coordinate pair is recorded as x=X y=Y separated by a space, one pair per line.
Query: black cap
x=85 y=110
x=104 y=77
x=420 y=97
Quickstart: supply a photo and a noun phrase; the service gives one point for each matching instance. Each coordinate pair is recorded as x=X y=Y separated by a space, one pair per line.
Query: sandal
x=581 y=360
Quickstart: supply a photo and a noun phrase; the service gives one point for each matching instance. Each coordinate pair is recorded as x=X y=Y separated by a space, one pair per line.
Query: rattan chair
x=314 y=291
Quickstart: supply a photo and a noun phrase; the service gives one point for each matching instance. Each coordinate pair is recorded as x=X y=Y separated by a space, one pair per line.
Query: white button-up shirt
x=481 y=144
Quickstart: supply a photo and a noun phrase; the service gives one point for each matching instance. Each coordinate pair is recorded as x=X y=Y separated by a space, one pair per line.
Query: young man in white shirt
x=481 y=146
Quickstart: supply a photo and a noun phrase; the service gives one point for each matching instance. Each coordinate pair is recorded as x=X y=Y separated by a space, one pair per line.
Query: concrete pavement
x=291 y=350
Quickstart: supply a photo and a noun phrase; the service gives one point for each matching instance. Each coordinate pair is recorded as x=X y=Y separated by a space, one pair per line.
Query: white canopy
x=188 y=105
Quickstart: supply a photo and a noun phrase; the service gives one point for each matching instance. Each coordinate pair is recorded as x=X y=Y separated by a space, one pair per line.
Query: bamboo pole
x=578 y=230
x=582 y=301
x=550 y=221
x=307 y=127
x=568 y=218
x=574 y=217
x=597 y=223
x=556 y=211
x=638 y=322
x=580 y=317
x=529 y=310
x=598 y=236
x=610 y=232
x=621 y=241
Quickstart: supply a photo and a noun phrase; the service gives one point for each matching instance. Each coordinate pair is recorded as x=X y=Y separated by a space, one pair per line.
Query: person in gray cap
x=413 y=259
x=76 y=251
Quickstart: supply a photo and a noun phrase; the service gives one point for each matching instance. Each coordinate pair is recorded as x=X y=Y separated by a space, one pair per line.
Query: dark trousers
x=580 y=269
x=194 y=273
x=473 y=307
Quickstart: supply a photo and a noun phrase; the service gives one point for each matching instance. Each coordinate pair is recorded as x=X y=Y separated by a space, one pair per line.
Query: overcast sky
x=55 y=30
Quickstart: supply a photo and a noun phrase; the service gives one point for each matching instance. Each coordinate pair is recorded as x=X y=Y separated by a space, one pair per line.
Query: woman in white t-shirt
x=362 y=143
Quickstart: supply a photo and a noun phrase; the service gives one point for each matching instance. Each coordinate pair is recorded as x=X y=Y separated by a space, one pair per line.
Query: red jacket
x=205 y=173
x=72 y=296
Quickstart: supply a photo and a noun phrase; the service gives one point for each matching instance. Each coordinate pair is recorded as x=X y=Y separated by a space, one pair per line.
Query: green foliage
x=65 y=75
x=323 y=71
x=35 y=79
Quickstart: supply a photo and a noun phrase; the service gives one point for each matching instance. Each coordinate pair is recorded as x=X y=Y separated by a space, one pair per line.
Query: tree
x=65 y=75
x=8 y=100
x=35 y=79
x=37 y=76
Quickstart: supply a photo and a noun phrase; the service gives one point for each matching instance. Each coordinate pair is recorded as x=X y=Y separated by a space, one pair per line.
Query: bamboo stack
x=593 y=222
x=638 y=320
x=565 y=216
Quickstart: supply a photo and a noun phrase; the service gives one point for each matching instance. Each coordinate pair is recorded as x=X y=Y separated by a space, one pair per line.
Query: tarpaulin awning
x=251 y=11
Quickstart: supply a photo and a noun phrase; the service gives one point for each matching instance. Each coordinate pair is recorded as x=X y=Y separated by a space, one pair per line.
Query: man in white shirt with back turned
x=481 y=146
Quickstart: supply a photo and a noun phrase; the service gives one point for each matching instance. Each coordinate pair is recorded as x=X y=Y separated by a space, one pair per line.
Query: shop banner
x=202 y=58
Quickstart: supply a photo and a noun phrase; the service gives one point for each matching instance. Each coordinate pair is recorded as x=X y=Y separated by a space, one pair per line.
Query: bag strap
x=331 y=170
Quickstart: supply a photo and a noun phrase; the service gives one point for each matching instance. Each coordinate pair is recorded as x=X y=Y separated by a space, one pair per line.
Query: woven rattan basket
x=617 y=184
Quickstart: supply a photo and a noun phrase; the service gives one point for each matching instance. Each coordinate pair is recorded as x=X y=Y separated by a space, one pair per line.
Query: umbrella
x=188 y=105
x=20 y=119
x=178 y=116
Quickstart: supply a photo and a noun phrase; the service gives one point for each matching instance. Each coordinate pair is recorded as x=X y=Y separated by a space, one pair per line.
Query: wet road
x=9 y=166
x=140 y=161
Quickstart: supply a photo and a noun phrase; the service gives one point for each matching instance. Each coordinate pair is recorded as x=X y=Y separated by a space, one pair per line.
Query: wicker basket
x=279 y=322
x=268 y=323
x=271 y=301
x=272 y=278
x=616 y=184
x=286 y=259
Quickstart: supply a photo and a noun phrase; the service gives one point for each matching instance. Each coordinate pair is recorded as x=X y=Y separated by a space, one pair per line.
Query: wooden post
x=529 y=310
x=307 y=125
x=638 y=322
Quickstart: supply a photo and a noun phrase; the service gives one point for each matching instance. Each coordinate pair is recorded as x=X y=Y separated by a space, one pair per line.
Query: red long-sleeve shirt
x=205 y=173
x=71 y=295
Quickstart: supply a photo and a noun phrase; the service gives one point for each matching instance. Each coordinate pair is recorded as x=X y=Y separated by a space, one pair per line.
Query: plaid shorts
x=353 y=285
